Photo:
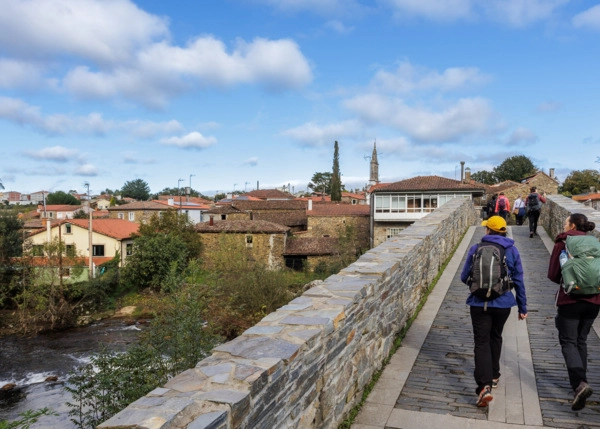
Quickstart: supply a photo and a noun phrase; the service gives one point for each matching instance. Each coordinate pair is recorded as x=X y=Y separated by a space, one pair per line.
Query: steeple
x=374 y=176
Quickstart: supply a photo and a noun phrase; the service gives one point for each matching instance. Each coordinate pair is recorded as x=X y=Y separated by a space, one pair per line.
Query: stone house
x=262 y=240
x=137 y=211
x=397 y=205
x=590 y=199
x=333 y=219
x=308 y=252
x=60 y=211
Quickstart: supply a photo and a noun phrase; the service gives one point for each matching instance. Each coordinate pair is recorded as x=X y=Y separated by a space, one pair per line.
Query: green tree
x=11 y=246
x=175 y=224
x=336 y=176
x=579 y=182
x=321 y=182
x=137 y=189
x=60 y=197
x=514 y=168
x=485 y=177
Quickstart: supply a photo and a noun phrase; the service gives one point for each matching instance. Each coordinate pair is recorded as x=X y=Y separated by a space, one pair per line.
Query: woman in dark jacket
x=488 y=320
x=575 y=316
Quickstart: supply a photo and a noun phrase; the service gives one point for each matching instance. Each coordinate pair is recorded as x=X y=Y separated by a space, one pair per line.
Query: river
x=28 y=362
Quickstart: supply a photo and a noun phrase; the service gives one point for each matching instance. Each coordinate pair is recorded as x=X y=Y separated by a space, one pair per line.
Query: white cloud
x=148 y=129
x=98 y=30
x=19 y=74
x=252 y=161
x=408 y=78
x=338 y=27
x=438 y=10
x=521 y=12
x=521 y=136
x=467 y=116
x=311 y=134
x=55 y=153
x=162 y=70
x=588 y=19
x=548 y=106
x=86 y=170
x=193 y=140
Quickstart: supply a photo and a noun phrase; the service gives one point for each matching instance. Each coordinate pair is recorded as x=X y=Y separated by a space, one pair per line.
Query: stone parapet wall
x=558 y=208
x=307 y=364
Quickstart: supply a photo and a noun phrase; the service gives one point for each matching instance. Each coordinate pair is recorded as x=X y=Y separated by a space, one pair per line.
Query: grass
x=349 y=421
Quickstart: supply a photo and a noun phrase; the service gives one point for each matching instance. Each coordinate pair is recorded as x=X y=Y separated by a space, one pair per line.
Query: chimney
x=211 y=220
x=257 y=188
x=467 y=175
x=462 y=171
x=171 y=201
x=310 y=204
x=551 y=173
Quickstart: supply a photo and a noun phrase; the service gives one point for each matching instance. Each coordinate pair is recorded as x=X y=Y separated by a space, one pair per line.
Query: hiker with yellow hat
x=495 y=261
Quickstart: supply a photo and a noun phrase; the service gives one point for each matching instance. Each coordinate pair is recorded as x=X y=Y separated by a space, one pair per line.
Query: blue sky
x=231 y=93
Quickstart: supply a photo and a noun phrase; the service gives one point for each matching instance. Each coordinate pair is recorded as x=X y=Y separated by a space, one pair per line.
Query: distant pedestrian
x=533 y=206
x=575 y=315
x=489 y=316
x=491 y=206
x=502 y=206
x=519 y=210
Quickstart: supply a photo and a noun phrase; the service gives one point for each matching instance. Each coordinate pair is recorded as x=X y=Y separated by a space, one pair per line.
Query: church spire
x=374 y=176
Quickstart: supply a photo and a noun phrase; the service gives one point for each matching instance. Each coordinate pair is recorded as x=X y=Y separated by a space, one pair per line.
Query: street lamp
x=188 y=195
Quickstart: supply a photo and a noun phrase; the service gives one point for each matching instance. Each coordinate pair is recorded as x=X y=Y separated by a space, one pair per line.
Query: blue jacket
x=515 y=269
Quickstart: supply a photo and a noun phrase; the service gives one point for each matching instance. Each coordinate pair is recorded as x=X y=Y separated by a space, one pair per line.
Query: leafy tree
x=220 y=196
x=579 y=182
x=80 y=214
x=321 y=182
x=485 y=177
x=514 y=168
x=26 y=419
x=60 y=197
x=175 y=224
x=336 y=180
x=11 y=245
x=177 y=191
x=137 y=189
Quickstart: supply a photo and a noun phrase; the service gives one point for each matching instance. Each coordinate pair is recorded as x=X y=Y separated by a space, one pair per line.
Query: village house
x=262 y=241
x=109 y=237
x=137 y=211
x=397 y=205
x=60 y=211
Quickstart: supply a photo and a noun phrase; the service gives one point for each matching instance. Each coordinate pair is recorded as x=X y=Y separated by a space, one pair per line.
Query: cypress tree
x=336 y=179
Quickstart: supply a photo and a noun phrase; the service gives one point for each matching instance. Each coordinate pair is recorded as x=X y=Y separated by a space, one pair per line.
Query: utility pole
x=90 y=234
x=179 y=191
x=188 y=195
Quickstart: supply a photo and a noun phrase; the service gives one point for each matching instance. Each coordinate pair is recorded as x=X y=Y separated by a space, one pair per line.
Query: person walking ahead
x=534 y=203
x=575 y=315
x=488 y=317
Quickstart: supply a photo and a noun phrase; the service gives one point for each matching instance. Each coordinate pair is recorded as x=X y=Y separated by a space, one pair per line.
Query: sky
x=228 y=95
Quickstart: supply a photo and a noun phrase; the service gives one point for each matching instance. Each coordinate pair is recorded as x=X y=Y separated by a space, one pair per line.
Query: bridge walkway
x=429 y=382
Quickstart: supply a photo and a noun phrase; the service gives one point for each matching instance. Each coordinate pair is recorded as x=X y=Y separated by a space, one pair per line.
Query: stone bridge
x=308 y=364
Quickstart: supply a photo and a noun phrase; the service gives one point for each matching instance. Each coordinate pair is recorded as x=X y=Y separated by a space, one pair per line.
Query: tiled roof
x=269 y=205
x=330 y=209
x=100 y=214
x=196 y=200
x=184 y=205
x=430 y=183
x=311 y=246
x=59 y=208
x=115 y=228
x=377 y=186
x=500 y=187
x=585 y=197
x=139 y=205
x=353 y=195
x=224 y=209
x=242 y=226
x=269 y=194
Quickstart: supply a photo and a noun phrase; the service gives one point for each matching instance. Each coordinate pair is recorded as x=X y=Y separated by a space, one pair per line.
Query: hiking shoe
x=582 y=392
x=495 y=382
x=485 y=396
x=531 y=235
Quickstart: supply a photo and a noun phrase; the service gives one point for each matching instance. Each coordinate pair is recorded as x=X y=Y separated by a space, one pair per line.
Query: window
x=354 y=201
x=98 y=250
x=129 y=249
x=131 y=216
x=223 y=217
x=70 y=250
x=121 y=215
x=248 y=240
x=50 y=214
x=68 y=228
x=392 y=232
x=414 y=203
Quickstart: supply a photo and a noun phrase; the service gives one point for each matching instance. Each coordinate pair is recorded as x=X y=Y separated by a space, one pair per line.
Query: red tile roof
x=430 y=183
x=264 y=194
x=242 y=226
x=116 y=228
x=330 y=209
x=585 y=197
x=59 y=208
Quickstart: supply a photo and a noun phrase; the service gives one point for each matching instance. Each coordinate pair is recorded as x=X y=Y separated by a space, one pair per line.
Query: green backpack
x=581 y=272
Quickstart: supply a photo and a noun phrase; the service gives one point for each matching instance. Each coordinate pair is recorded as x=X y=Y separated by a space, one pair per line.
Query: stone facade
x=307 y=364
x=320 y=226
